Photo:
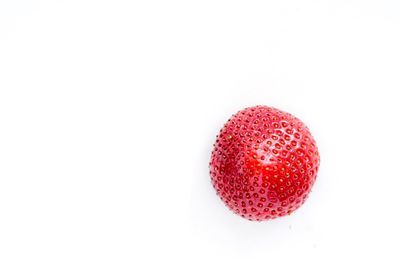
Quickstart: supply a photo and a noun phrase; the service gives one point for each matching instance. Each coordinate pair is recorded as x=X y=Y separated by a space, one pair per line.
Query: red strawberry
x=264 y=163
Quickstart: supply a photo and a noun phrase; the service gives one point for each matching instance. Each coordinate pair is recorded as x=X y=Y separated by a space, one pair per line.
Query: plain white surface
x=109 y=109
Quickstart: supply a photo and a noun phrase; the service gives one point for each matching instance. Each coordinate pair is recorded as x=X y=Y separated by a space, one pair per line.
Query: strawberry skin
x=264 y=163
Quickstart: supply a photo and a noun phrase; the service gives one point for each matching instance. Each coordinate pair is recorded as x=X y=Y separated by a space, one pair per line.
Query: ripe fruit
x=264 y=163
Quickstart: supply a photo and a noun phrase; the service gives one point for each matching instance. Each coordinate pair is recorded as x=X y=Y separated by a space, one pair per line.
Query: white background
x=109 y=109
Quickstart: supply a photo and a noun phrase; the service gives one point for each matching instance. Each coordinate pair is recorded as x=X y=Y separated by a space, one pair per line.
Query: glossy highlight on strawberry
x=264 y=163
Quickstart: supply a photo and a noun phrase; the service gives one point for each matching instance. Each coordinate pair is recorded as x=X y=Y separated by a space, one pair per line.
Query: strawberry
x=264 y=163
